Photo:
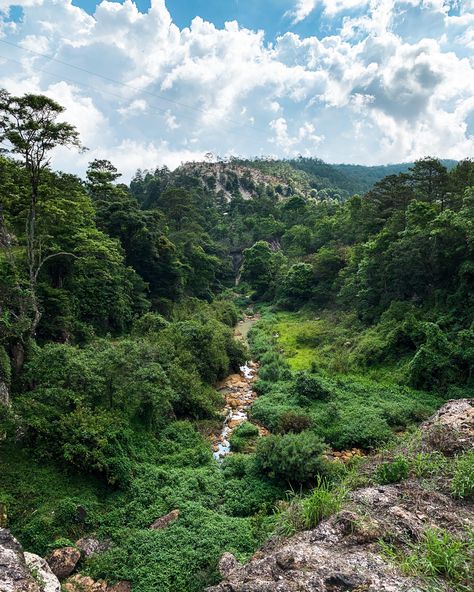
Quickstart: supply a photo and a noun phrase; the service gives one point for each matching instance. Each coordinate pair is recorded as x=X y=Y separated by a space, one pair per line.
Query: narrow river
x=238 y=392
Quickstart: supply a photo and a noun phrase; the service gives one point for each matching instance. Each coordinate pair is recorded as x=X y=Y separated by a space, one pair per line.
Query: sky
x=160 y=82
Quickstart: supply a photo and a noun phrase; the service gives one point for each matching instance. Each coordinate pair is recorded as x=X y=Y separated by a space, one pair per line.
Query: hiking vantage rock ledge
x=343 y=553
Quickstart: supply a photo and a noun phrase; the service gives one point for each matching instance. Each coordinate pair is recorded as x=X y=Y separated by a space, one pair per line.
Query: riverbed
x=238 y=392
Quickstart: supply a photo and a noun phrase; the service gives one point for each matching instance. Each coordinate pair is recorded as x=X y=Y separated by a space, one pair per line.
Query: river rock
x=43 y=573
x=63 y=561
x=80 y=583
x=165 y=520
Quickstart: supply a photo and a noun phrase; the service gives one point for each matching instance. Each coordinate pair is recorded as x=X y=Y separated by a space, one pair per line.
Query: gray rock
x=323 y=560
x=451 y=429
x=42 y=573
x=91 y=546
x=14 y=573
x=227 y=564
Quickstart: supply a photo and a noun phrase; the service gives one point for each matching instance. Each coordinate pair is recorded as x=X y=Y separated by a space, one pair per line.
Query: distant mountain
x=362 y=178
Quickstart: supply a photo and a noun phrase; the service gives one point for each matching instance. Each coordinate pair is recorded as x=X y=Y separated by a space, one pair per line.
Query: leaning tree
x=29 y=128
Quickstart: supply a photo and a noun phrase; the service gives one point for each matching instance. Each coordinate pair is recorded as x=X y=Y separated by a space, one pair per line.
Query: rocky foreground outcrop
x=343 y=553
x=23 y=572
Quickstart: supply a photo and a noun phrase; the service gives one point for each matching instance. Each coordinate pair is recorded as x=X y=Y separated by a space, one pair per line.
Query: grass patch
x=438 y=554
x=462 y=485
x=332 y=342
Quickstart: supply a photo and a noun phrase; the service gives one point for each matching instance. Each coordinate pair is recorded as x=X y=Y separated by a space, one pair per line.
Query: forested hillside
x=117 y=308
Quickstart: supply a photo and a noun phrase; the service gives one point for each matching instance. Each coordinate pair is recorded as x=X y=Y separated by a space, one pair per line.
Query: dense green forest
x=117 y=308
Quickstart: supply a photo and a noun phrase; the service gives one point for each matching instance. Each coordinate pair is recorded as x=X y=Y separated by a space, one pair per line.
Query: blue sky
x=269 y=15
x=157 y=82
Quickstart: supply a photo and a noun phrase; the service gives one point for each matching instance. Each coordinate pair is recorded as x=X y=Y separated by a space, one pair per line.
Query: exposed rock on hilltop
x=230 y=178
x=343 y=552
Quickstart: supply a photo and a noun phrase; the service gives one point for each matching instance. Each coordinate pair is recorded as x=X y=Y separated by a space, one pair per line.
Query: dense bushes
x=243 y=439
x=309 y=388
x=293 y=457
x=87 y=406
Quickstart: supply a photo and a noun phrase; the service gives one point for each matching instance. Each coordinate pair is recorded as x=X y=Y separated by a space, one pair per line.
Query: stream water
x=238 y=392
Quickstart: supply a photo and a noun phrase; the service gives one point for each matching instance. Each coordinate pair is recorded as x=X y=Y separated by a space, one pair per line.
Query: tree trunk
x=4 y=393
x=18 y=357
x=31 y=251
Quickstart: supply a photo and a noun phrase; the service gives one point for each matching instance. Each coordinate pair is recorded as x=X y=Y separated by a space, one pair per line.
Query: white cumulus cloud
x=395 y=81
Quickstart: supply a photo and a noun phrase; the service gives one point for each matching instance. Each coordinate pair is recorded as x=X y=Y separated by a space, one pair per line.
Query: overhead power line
x=123 y=84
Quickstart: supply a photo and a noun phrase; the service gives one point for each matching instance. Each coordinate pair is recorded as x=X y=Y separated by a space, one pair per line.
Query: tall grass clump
x=462 y=485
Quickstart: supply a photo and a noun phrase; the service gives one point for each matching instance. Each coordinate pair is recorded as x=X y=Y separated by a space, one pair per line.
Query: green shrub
x=244 y=437
x=275 y=371
x=392 y=471
x=462 y=485
x=294 y=457
x=428 y=464
x=249 y=495
x=268 y=410
x=149 y=323
x=307 y=387
x=436 y=363
x=293 y=421
x=226 y=312
x=359 y=426
x=238 y=465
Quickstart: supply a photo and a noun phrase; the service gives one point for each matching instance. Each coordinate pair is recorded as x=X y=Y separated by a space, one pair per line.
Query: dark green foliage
x=297 y=285
x=244 y=437
x=293 y=457
x=309 y=388
x=5 y=366
x=149 y=323
x=294 y=421
x=260 y=268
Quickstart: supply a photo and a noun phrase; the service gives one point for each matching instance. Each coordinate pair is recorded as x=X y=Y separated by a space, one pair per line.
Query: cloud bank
x=393 y=81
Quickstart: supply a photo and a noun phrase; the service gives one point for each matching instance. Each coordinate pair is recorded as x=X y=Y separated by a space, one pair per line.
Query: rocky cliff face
x=226 y=179
x=343 y=553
